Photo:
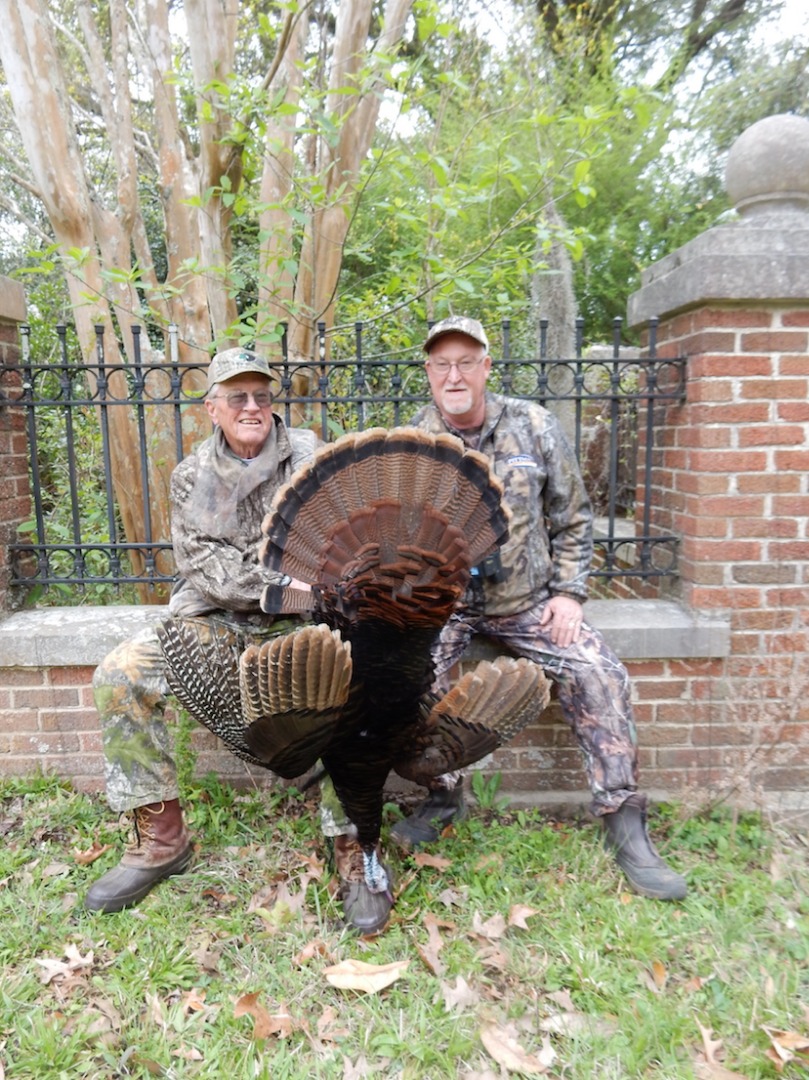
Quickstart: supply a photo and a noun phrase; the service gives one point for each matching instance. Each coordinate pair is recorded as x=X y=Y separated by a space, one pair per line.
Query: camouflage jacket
x=550 y=544
x=218 y=503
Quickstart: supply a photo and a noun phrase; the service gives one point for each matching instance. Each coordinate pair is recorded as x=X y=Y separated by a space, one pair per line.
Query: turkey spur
x=386 y=527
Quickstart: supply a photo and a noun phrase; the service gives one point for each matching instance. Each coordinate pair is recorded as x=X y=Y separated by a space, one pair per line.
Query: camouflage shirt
x=218 y=502
x=550 y=545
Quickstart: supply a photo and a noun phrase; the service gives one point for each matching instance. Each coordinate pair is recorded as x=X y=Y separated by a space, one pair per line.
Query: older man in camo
x=219 y=497
x=530 y=599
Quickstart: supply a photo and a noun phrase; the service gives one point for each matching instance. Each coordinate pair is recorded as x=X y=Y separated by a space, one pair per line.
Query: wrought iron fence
x=75 y=537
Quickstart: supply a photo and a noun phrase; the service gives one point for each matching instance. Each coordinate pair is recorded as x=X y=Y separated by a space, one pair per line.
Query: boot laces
x=355 y=866
x=140 y=823
x=349 y=858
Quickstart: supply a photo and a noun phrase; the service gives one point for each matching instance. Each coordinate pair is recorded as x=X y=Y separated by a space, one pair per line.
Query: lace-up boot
x=160 y=848
x=367 y=912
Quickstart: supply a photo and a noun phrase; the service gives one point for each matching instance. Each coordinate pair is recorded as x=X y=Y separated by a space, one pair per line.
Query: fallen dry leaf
x=311 y=949
x=60 y=969
x=316 y=865
x=193 y=1001
x=369 y=978
x=711 y=1046
x=655 y=977
x=435 y=943
x=327 y=1028
x=460 y=996
x=563 y=999
x=55 y=869
x=437 y=862
x=706 y=1071
x=492 y=955
x=452 y=897
x=488 y=862
x=430 y=959
x=356 y=1070
x=502 y=1045
x=786 y=1046
x=264 y=1022
x=90 y=854
x=492 y=928
x=519 y=913
x=187 y=1053
x=572 y=1023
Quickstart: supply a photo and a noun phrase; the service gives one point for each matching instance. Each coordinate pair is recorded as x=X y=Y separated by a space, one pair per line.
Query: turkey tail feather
x=486 y=708
x=293 y=691
x=202 y=670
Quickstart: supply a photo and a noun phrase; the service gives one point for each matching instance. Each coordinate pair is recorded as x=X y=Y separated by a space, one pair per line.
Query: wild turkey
x=386 y=527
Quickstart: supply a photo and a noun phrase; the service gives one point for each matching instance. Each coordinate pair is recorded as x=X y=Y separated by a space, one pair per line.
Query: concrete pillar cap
x=767 y=170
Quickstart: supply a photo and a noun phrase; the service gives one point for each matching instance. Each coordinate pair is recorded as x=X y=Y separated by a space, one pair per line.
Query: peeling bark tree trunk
x=553 y=297
x=196 y=168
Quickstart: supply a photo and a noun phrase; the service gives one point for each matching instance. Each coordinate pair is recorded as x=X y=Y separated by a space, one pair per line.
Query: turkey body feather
x=385 y=527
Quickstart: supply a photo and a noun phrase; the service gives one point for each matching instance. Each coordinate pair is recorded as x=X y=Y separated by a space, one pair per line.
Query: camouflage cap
x=457 y=324
x=226 y=365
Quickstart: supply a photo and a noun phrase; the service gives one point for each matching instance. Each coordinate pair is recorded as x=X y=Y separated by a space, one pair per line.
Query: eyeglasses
x=466 y=365
x=237 y=399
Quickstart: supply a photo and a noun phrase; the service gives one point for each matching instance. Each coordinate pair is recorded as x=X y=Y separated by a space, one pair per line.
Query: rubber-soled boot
x=428 y=819
x=367 y=912
x=625 y=834
x=160 y=848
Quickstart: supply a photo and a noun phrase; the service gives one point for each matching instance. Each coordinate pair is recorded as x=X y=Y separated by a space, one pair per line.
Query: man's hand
x=304 y=586
x=562 y=619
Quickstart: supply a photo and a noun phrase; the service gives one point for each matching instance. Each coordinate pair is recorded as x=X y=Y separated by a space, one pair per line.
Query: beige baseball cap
x=457 y=324
x=231 y=362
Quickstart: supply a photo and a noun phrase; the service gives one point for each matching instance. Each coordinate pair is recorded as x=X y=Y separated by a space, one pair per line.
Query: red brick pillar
x=732 y=473
x=15 y=501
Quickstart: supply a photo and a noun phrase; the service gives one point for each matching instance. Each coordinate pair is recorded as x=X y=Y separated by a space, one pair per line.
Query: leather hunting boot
x=367 y=912
x=625 y=834
x=160 y=848
x=431 y=816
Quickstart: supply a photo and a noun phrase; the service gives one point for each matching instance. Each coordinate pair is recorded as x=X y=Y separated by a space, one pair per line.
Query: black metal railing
x=76 y=539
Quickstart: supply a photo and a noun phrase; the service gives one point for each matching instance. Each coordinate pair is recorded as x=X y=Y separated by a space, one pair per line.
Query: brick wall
x=732 y=476
x=47 y=719
x=688 y=740
x=14 y=490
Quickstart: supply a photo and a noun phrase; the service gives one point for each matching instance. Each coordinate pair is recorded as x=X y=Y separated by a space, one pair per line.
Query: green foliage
x=485 y=789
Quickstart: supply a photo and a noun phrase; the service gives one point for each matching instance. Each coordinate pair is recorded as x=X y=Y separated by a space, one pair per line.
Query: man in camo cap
x=219 y=497
x=530 y=598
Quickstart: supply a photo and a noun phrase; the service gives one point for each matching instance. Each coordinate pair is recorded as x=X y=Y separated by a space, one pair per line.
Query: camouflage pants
x=130 y=692
x=593 y=689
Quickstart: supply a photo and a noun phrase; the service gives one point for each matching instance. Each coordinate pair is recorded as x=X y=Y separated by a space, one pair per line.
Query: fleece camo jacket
x=550 y=544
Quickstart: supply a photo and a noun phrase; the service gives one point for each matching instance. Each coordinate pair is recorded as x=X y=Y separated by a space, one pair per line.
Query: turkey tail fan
x=293 y=691
x=486 y=708
x=379 y=499
x=202 y=670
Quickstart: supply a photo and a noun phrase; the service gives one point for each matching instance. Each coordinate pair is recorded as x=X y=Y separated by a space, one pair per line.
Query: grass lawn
x=514 y=949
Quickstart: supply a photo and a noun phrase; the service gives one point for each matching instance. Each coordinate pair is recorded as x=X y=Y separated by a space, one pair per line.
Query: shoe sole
x=120 y=902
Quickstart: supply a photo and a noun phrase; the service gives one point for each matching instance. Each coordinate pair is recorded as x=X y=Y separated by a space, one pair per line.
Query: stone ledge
x=82 y=636
x=764 y=262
